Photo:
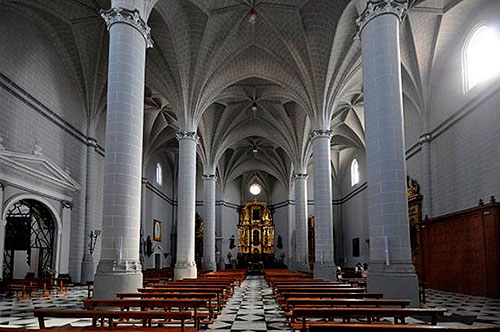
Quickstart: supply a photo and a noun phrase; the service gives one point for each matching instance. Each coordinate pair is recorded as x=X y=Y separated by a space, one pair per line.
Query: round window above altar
x=255 y=189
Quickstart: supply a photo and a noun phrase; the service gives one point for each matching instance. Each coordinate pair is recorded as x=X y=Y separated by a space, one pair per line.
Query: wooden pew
x=300 y=315
x=145 y=304
x=327 y=295
x=216 y=292
x=25 y=287
x=205 y=296
x=115 y=317
x=339 y=327
x=291 y=303
x=226 y=290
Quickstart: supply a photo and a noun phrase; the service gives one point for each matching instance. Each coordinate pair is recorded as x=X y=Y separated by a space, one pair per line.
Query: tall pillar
x=209 y=182
x=185 y=266
x=142 y=234
x=119 y=269
x=291 y=253
x=324 y=265
x=391 y=271
x=301 y=230
x=3 y=223
x=425 y=143
x=90 y=213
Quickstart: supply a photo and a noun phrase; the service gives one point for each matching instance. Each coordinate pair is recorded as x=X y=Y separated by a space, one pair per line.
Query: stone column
x=63 y=239
x=185 y=266
x=391 y=271
x=425 y=143
x=90 y=215
x=301 y=231
x=324 y=266
x=209 y=182
x=291 y=253
x=3 y=223
x=119 y=269
x=142 y=234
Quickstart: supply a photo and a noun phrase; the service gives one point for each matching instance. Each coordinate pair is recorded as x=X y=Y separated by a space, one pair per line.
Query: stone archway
x=30 y=240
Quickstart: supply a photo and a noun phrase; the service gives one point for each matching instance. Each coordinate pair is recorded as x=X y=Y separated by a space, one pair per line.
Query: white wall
x=40 y=101
x=159 y=206
x=280 y=196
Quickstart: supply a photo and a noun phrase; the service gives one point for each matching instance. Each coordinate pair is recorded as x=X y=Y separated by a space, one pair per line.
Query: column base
x=183 y=271
x=395 y=281
x=300 y=266
x=88 y=267
x=209 y=266
x=324 y=271
x=113 y=277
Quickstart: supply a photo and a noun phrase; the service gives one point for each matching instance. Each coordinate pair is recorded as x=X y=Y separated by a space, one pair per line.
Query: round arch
x=9 y=204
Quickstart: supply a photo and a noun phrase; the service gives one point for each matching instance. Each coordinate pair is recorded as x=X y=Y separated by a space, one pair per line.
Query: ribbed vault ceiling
x=298 y=65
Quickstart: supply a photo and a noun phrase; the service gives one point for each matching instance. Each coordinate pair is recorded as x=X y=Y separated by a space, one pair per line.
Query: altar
x=255 y=236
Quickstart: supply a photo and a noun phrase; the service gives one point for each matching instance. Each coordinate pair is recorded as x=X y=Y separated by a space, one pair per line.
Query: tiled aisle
x=15 y=313
x=252 y=308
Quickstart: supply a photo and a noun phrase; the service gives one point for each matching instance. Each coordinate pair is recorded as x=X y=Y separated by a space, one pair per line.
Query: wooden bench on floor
x=115 y=317
x=201 y=318
x=339 y=327
x=301 y=316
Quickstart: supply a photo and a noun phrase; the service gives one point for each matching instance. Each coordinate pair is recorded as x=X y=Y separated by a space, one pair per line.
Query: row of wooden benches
x=26 y=288
x=305 y=300
x=184 y=305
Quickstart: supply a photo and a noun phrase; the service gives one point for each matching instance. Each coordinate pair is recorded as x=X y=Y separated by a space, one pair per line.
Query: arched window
x=354 y=172
x=481 y=54
x=159 y=175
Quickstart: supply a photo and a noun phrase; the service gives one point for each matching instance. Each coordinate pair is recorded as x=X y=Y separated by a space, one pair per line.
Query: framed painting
x=156 y=230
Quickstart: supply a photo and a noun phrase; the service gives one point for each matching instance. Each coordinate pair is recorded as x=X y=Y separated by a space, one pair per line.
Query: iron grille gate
x=30 y=225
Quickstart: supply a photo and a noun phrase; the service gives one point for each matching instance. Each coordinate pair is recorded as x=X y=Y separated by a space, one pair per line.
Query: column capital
x=130 y=17
x=425 y=138
x=376 y=8
x=209 y=177
x=323 y=133
x=300 y=176
x=187 y=134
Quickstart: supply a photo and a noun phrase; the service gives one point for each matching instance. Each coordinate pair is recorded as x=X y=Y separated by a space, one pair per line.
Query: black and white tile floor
x=252 y=308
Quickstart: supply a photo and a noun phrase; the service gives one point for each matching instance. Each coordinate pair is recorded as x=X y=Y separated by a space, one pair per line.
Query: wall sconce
x=93 y=240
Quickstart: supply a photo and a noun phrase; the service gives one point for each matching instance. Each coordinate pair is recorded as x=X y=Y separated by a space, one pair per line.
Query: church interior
x=249 y=165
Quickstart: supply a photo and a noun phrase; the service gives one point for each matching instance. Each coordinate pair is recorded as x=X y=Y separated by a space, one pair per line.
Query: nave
x=252 y=307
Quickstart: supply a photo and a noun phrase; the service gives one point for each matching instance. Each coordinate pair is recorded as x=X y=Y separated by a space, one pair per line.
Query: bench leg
x=41 y=323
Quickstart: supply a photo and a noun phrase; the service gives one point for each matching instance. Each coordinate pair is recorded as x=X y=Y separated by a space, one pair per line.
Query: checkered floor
x=252 y=308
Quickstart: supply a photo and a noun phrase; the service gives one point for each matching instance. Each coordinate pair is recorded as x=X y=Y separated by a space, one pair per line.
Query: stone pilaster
x=301 y=242
x=88 y=267
x=324 y=266
x=185 y=266
x=209 y=182
x=290 y=252
x=3 y=223
x=119 y=269
x=425 y=143
x=391 y=271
